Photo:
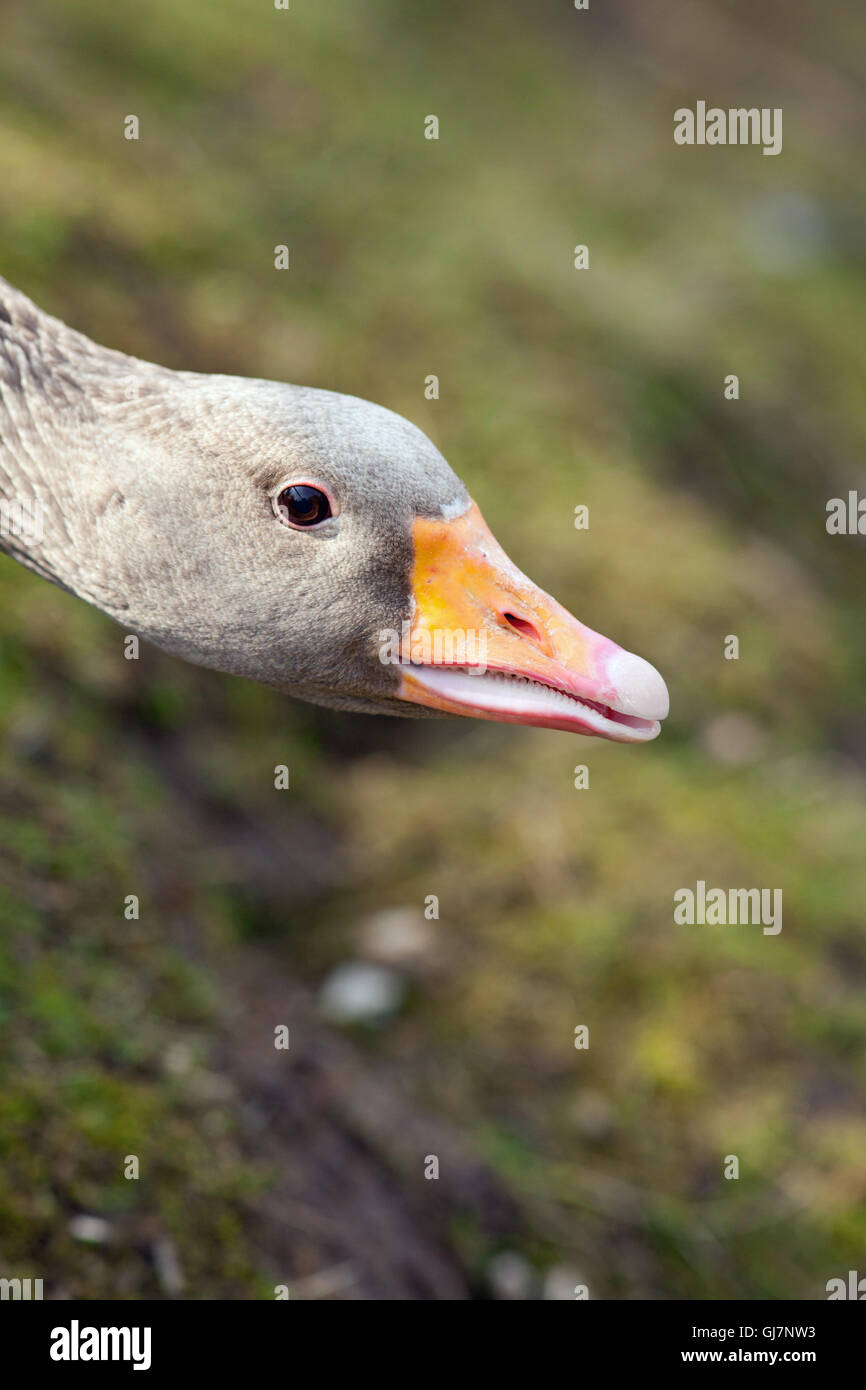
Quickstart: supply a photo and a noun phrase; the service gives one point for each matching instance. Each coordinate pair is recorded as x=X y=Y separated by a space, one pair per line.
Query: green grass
x=557 y=388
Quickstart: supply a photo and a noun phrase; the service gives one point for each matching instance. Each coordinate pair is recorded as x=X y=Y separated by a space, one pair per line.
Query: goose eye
x=302 y=505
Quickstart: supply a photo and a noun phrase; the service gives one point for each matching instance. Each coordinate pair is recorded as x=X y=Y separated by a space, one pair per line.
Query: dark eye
x=302 y=505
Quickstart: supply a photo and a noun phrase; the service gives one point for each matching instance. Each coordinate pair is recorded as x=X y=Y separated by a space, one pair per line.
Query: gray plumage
x=156 y=491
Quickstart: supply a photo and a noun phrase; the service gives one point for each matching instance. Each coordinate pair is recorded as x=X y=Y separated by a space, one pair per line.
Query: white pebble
x=396 y=935
x=358 y=992
x=510 y=1275
x=93 y=1229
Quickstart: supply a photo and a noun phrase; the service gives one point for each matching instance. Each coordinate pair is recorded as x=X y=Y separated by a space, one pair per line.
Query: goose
x=305 y=539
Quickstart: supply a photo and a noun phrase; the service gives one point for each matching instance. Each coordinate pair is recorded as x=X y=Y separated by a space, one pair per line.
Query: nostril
x=526 y=629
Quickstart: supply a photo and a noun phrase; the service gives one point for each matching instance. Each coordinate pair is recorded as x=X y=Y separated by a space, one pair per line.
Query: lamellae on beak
x=486 y=642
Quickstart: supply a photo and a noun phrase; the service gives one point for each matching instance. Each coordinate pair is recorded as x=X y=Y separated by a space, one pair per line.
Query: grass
x=557 y=387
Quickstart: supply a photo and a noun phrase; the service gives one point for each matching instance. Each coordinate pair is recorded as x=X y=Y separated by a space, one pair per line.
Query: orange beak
x=484 y=641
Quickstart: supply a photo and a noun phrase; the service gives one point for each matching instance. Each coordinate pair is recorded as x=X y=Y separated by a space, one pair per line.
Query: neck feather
x=61 y=397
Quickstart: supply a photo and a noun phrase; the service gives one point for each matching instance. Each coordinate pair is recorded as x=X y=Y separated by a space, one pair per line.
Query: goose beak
x=485 y=642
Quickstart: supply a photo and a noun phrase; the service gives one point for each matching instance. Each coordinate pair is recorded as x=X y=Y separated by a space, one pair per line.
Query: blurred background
x=453 y=1037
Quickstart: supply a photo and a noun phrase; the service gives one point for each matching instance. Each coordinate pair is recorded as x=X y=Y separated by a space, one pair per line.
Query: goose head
x=305 y=539
x=322 y=544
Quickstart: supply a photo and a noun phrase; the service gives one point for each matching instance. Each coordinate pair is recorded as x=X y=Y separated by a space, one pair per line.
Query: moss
x=151 y=779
